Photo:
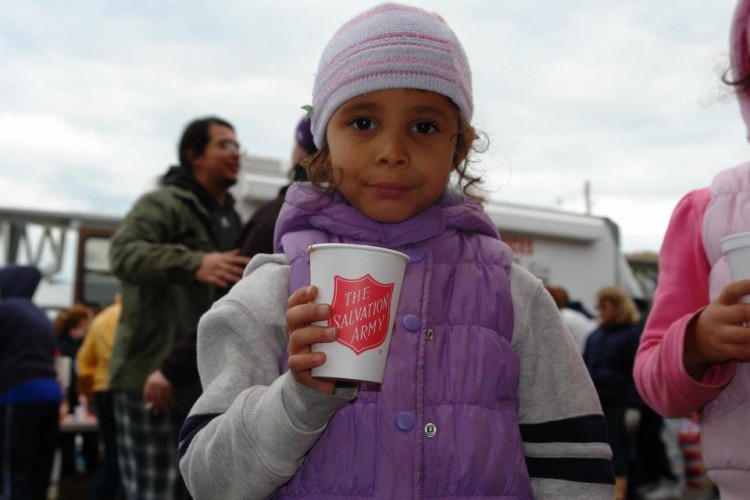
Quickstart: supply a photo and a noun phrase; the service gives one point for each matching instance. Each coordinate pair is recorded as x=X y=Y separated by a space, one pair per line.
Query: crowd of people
x=138 y=375
x=497 y=385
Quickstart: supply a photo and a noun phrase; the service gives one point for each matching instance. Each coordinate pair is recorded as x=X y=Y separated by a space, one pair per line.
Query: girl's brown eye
x=362 y=123
x=424 y=127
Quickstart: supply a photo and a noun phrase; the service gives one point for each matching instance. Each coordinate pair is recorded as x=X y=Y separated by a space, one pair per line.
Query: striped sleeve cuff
x=574 y=449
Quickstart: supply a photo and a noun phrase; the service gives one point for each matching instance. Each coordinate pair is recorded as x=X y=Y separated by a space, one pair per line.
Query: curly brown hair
x=321 y=175
x=67 y=319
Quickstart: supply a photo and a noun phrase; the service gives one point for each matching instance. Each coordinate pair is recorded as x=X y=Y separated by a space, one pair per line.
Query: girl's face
x=392 y=151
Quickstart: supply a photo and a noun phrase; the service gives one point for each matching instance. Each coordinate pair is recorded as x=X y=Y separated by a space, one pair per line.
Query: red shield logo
x=361 y=310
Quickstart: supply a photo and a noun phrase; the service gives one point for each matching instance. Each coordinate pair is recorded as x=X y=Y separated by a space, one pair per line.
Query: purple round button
x=405 y=421
x=416 y=255
x=411 y=322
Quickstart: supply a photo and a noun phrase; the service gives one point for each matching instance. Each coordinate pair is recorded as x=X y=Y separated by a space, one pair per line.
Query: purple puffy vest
x=444 y=421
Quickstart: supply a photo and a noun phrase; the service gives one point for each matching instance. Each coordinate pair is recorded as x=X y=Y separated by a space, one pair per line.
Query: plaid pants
x=147 y=449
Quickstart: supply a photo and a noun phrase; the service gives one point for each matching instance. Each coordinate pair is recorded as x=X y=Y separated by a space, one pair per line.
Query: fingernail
x=331 y=332
x=323 y=309
x=318 y=358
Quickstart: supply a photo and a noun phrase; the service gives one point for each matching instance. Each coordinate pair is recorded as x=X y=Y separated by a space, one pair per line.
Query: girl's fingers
x=735 y=334
x=302 y=339
x=302 y=295
x=737 y=314
x=734 y=291
x=303 y=334
x=305 y=362
x=303 y=315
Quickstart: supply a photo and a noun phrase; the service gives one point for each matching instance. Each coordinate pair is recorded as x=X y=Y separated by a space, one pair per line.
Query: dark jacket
x=257 y=234
x=27 y=339
x=609 y=356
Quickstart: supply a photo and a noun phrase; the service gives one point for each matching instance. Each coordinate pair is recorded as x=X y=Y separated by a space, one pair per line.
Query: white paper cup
x=362 y=283
x=737 y=250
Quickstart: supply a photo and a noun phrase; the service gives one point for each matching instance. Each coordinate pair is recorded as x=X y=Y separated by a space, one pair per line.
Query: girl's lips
x=389 y=189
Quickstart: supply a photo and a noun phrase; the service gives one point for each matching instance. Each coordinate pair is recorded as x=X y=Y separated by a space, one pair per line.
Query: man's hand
x=158 y=393
x=221 y=269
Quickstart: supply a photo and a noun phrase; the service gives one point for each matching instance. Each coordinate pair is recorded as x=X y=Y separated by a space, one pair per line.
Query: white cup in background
x=736 y=248
x=62 y=367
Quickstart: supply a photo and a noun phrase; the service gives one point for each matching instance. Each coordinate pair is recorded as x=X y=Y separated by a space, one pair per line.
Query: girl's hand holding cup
x=720 y=333
x=300 y=316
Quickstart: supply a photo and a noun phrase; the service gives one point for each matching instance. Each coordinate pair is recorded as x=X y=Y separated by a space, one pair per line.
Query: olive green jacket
x=155 y=253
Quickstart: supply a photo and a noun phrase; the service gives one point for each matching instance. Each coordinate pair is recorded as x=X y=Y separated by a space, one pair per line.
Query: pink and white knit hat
x=390 y=46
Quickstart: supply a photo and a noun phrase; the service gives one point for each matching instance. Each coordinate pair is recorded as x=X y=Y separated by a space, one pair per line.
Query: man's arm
x=147 y=249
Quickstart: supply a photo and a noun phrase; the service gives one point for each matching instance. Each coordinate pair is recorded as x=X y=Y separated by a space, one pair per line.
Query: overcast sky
x=626 y=95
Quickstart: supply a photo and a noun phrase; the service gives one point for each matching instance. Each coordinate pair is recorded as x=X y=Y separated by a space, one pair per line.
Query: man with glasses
x=174 y=256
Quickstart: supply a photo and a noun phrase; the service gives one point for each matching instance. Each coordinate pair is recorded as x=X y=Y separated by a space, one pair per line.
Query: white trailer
x=580 y=253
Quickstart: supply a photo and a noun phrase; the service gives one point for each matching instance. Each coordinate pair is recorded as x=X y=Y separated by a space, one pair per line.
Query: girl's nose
x=392 y=152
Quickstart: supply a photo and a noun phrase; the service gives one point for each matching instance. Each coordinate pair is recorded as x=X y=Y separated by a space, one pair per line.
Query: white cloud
x=94 y=94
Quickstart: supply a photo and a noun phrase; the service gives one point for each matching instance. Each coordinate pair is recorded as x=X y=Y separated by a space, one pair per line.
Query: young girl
x=694 y=350
x=484 y=393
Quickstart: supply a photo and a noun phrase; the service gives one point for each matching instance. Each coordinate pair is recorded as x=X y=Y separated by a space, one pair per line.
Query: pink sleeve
x=681 y=295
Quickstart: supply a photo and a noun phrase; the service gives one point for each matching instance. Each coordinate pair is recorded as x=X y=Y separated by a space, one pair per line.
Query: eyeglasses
x=229 y=145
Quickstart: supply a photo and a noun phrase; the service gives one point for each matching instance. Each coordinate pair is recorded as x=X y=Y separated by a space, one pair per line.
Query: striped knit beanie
x=388 y=47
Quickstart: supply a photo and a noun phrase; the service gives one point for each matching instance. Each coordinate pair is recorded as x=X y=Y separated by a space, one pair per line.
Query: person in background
x=180 y=367
x=93 y=382
x=695 y=351
x=575 y=305
x=477 y=397
x=71 y=326
x=609 y=354
x=30 y=394
x=579 y=325
x=257 y=234
x=174 y=254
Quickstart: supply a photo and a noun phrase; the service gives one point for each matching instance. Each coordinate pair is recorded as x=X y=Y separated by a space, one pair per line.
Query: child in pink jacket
x=694 y=351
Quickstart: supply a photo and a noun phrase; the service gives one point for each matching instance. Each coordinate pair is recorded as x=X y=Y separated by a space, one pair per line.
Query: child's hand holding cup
x=362 y=284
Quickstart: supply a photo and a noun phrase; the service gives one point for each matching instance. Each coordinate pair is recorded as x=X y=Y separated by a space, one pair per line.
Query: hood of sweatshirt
x=19 y=281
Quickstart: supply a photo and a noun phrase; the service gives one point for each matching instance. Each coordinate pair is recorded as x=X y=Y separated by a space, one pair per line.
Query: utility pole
x=587 y=196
